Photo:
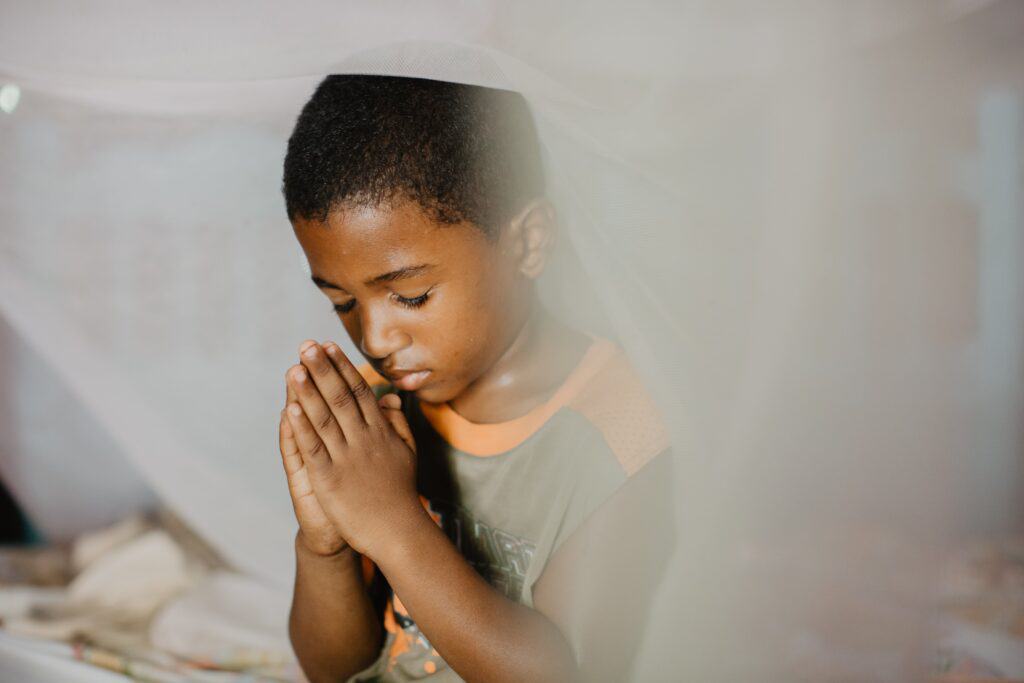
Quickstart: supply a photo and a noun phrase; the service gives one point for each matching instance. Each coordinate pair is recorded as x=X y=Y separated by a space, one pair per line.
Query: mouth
x=407 y=380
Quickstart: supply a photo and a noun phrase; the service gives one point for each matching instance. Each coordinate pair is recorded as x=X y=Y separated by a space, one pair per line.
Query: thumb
x=391 y=406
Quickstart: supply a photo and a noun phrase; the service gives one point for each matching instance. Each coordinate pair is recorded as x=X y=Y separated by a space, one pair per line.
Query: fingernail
x=306 y=344
x=310 y=352
x=294 y=409
x=299 y=374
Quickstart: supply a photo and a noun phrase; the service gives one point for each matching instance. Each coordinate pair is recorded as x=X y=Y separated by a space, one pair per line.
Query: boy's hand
x=316 y=530
x=359 y=454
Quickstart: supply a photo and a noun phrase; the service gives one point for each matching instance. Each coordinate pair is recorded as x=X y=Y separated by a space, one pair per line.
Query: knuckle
x=381 y=431
x=378 y=431
x=324 y=422
x=356 y=433
x=362 y=390
x=341 y=400
x=318 y=450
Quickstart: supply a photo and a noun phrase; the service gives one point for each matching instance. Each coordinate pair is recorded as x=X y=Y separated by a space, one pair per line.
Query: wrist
x=345 y=554
x=407 y=529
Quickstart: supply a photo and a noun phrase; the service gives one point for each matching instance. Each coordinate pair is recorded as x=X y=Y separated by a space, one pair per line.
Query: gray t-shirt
x=509 y=494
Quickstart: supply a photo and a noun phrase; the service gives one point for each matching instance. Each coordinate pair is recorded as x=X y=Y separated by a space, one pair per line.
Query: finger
x=315 y=410
x=360 y=389
x=290 y=455
x=312 y=449
x=396 y=419
x=343 y=403
x=289 y=394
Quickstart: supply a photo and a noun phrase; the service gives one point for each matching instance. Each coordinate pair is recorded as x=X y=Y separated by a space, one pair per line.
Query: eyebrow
x=400 y=274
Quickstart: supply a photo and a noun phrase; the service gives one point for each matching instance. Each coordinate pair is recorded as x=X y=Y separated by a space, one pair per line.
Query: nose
x=380 y=335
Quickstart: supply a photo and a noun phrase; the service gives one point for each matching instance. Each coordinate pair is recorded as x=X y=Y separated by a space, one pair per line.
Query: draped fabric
x=803 y=224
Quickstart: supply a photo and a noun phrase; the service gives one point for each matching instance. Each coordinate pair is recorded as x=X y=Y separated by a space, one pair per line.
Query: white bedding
x=27 y=660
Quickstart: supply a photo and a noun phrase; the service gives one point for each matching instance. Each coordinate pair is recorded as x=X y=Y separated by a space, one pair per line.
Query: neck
x=542 y=353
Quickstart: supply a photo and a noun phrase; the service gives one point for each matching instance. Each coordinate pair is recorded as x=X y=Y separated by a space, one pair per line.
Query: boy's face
x=432 y=306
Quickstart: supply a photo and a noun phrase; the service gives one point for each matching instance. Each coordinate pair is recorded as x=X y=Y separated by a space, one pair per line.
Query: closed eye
x=345 y=307
x=414 y=302
x=407 y=302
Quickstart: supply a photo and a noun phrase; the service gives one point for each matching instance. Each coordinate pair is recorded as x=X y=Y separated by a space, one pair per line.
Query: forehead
x=360 y=242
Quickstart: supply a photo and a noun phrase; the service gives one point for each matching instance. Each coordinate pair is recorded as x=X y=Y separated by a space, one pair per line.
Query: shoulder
x=615 y=402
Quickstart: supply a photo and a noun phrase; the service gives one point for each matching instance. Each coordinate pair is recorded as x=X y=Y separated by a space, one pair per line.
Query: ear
x=534 y=231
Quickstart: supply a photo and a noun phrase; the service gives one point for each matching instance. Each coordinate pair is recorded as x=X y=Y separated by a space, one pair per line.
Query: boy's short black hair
x=463 y=152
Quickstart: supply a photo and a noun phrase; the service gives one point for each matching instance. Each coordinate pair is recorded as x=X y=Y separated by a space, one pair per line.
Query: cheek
x=482 y=309
x=458 y=330
x=467 y=321
x=491 y=289
x=452 y=333
x=482 y=340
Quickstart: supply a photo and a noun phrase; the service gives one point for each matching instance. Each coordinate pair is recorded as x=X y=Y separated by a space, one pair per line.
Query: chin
x=433 y=393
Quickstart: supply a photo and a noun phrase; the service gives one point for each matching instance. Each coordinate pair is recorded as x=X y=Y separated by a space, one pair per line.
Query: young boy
x=476 y=525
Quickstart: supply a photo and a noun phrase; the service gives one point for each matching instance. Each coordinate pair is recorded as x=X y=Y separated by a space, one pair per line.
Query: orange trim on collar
x=494 y=438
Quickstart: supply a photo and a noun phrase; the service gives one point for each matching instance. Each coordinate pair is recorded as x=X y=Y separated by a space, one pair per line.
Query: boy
x=444 y=530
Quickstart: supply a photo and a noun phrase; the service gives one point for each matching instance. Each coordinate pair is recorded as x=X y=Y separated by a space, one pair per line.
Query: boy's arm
x=600 y=584
x=599 y=587
x=362 y=470
x=334 y=625
x=480 y=633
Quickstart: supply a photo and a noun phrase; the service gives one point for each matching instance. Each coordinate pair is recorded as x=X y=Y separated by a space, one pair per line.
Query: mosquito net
x=783 y=216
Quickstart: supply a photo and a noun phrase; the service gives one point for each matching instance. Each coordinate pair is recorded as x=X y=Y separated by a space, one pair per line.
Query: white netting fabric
x=768 y=206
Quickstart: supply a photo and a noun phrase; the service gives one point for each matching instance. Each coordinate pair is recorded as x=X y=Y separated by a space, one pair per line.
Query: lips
x=407 y=380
